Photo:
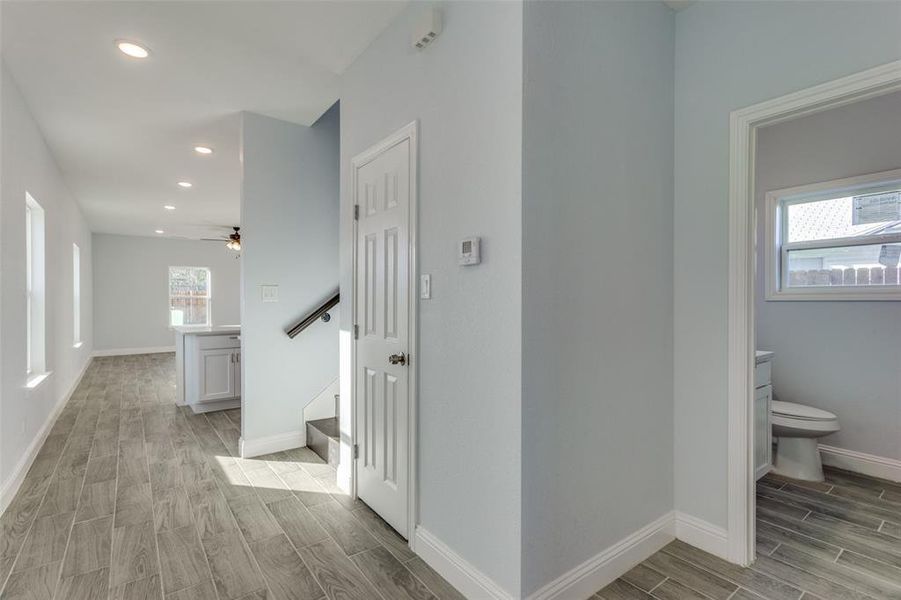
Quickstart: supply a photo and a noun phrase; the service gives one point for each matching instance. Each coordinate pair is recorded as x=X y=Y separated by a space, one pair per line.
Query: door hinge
x=356 y=332
x=356 y=212
x=356 y=451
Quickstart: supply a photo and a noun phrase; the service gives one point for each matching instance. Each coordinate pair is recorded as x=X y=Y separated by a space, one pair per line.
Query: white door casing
x=384 y=317
x=743 y=134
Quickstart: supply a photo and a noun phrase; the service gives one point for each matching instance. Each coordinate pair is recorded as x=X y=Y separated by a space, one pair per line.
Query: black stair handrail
x=319 y=313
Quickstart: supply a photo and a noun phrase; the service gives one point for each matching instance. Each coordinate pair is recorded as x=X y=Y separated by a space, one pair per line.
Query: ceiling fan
x=232 y=241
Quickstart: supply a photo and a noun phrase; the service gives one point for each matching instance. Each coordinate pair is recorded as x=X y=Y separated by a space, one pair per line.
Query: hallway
x=132 y=497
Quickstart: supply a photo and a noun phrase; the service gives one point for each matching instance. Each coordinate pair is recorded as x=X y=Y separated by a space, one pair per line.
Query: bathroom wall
x=843 y=357
x=730 y=55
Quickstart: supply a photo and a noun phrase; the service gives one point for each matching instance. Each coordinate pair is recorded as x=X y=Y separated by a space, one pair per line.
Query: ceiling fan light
x=233 y=245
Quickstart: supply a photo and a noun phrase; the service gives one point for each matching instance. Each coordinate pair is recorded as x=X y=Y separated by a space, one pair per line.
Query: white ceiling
x=123 y=130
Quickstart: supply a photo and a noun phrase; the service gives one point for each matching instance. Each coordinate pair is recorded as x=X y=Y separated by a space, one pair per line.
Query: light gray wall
x=730 y=55
x=131 y=287
x=597 y=279
x=843 y=357
x=289 y=218
x=27 y=164
x=466 y=91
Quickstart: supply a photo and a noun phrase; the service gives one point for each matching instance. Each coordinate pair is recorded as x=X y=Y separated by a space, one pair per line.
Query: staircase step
x=322 y=438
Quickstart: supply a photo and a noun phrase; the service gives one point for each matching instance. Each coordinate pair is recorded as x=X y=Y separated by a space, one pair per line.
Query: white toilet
x=797 y=428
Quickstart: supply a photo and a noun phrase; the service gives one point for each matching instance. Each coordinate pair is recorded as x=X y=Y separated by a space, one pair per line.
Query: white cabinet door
x=217 y=374
x=763 y=432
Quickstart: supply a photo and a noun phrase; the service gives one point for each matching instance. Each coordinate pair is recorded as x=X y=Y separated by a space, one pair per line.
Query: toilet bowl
x=797 y=428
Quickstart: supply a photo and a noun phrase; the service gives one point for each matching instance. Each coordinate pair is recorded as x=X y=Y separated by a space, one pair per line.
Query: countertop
x=205 y=330
x=764 y=356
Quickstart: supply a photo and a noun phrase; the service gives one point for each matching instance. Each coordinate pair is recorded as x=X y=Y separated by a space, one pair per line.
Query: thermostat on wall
x=469 y=253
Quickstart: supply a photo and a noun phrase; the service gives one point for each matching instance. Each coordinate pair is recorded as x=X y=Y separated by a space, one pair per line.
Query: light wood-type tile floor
x=837 y=540
x=134 y=498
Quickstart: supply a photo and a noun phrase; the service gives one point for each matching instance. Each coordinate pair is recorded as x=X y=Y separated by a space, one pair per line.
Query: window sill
x=879 y=294
x=37 y=379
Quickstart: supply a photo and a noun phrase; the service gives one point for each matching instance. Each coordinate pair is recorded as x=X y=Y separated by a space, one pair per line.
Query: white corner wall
x=730 y=55
x=597 y=279
x=839 y=356
x=289 y=227
x=131 y=289
x=28 y=165
x=466 y=91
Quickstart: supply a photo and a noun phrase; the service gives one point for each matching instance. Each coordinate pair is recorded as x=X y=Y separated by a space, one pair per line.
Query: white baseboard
x=205 y=407
x=11 y=486
x=701 y=534
x=471 y=582
x=273 y=443
x=130 y=351
x=859 y=462
x=598 y=571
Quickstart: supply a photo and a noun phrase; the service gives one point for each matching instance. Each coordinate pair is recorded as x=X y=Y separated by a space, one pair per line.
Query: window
x=76 y=295
x=838 y=240
x=35 y=366
x=189 y=296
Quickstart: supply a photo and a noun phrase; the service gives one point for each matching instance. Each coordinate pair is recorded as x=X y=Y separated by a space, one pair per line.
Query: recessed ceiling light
x=168 y=207
x=203 y=150
x=132 y=49
x=159 y=231
x=185 y=184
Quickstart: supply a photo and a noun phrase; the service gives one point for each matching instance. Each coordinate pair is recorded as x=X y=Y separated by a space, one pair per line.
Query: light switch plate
x=269 y=293
x=425 y=287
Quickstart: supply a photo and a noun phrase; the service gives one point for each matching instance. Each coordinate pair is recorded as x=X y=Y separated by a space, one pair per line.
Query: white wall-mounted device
x=269 y=293
x=427 y=28
x=469 y=252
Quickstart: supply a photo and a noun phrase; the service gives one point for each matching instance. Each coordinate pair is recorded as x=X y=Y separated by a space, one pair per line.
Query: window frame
x=35 y=292
x=776 y=230
x=29 y=284
x=76 y=296
x=209 y=296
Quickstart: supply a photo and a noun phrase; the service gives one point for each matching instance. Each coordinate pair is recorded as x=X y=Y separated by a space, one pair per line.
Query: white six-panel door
x=382 y=419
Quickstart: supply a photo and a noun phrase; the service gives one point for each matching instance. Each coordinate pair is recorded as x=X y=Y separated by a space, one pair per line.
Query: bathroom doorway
x=752 y=282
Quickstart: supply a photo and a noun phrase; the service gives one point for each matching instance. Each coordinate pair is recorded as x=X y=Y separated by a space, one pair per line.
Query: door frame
x=408 y=132
x=744 y=123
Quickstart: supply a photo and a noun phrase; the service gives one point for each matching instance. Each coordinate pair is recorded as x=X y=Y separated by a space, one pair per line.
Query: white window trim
x=29 y=283
x=76 y=296
x=775 y=250
x=35 y=291
x=209 y=304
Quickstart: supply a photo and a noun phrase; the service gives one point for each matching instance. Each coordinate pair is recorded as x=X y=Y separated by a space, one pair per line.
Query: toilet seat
x=800 y=412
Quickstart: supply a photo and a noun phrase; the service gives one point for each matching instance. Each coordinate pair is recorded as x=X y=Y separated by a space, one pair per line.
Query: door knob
x=397 y=359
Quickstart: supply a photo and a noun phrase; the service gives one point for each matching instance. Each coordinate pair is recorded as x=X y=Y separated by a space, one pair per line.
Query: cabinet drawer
x=205 y=342
x=762 y=374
